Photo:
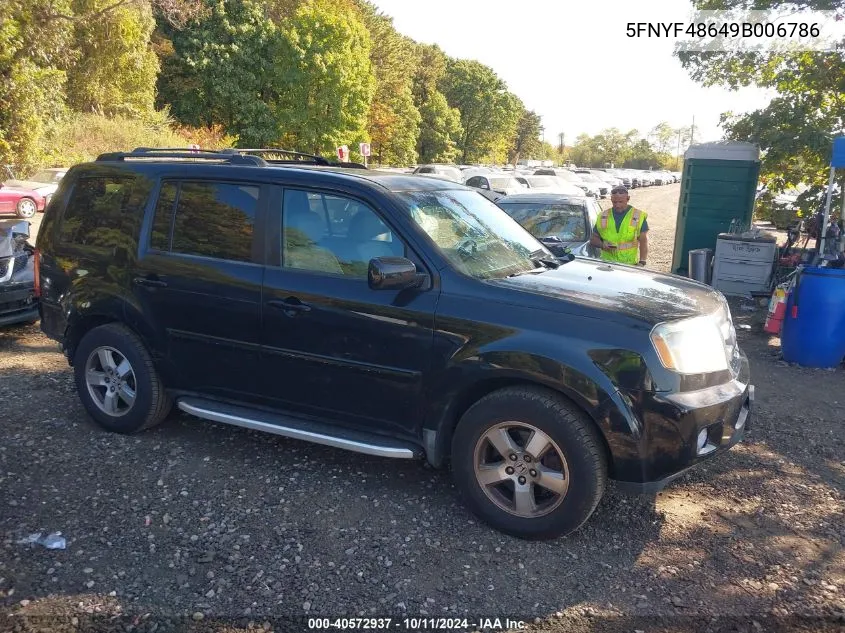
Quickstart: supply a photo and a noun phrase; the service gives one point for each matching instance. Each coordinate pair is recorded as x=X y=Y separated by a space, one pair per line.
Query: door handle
x=146 y=281
x=289 y=305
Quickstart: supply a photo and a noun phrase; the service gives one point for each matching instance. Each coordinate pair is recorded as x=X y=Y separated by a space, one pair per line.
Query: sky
x=572 y=62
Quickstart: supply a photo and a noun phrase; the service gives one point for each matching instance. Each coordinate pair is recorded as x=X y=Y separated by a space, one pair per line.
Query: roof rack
x=184 y=153
x=296 y=157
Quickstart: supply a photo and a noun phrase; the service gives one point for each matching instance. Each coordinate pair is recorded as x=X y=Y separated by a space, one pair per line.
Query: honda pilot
x=394 y=315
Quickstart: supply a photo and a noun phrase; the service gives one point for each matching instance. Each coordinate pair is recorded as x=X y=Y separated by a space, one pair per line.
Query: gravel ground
x=200 y=526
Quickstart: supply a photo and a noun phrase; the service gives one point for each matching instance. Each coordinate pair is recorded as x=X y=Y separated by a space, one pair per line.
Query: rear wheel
x=25 y=208
x=529 y=463
x=117 y=382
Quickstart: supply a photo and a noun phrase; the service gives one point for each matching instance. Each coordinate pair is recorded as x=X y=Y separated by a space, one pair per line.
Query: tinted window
x=160 y=238
x=333 y=234
x=103 y=211
x=215 y=220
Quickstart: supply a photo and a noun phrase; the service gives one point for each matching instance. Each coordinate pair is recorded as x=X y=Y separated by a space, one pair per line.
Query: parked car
x=392 y=315
x=563 y=223
x=603 y=186
x=18 y=299
x=44 y=181
x=21 y=201
x=589 y=188
x=450 y=172
x=494 y=186
x=552 y=184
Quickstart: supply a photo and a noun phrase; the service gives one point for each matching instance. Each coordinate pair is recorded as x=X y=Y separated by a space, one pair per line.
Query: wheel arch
x=438 y=435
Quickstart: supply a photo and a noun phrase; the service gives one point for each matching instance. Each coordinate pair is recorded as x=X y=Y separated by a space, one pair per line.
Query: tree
x=526 y=140
x=116 y=71
x=223 y=70
x=663 y=137
x=394 y=120
x=796 y=130
x=328 y=81
x=34 y=52
x=611 y=146
x=440 y=127
x=489 y=112
x=430 y=68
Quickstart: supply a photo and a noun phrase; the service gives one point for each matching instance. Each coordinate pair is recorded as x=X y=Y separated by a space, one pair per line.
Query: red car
x=23 y=202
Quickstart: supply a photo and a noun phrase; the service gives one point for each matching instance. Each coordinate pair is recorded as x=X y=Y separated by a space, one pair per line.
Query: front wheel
x=529 y=463
x=25 y=208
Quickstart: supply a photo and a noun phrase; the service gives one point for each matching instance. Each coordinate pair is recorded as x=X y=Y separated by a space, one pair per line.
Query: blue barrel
x=814 y=325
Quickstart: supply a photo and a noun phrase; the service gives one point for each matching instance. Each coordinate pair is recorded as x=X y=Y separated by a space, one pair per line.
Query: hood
x=25 y=186
x=637 y=293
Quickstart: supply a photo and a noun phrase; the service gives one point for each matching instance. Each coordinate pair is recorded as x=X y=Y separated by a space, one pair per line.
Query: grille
x=5 y=264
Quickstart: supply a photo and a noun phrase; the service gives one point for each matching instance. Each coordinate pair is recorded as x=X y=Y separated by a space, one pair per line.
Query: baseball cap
x=619 y=189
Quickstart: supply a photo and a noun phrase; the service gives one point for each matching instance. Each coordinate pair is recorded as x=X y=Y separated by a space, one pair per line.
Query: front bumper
x=18 y=305
x=654 y=436
x=730 y=433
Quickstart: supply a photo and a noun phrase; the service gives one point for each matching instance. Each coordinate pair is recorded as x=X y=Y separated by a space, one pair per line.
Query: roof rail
x=277 y=150
x=296 y=157
x=185 y=153
x=151 y=150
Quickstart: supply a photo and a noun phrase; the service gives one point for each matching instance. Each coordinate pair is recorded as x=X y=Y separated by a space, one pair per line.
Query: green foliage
x=83 y=136
x=489 y=113
x=795 y=131
x=327 y=78
x=34 y=52
x=526 y=141
x=441 y=126
x=116 y=70
x=222 y=69
x=394 y=120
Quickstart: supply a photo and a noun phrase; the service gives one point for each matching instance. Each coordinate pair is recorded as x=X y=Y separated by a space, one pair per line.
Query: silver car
x=559 y=221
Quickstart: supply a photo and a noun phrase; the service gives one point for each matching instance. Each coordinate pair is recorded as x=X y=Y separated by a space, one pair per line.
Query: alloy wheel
x=521 y=469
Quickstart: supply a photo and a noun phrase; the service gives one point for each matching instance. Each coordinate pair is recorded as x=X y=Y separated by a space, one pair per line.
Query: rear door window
x=206 y=219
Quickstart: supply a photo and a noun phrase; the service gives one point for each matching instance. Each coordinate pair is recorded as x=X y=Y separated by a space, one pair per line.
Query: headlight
x=692 y=346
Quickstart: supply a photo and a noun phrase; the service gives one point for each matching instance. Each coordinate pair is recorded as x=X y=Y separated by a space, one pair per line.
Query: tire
x=582 y=461
x=151 y=403
x=26 y=208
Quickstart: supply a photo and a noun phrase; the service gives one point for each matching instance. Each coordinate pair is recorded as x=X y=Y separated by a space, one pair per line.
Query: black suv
x=393 y=315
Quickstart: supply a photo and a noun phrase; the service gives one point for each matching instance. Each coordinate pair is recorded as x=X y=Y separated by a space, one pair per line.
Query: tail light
x=37 y=255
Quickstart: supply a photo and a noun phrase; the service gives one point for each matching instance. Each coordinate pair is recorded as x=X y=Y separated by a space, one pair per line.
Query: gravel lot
x=200 y=526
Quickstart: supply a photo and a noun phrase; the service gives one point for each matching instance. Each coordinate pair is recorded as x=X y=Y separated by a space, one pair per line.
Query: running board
x=300 y=429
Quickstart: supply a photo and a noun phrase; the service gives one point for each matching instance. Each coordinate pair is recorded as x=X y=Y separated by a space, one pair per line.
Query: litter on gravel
x=55 y=540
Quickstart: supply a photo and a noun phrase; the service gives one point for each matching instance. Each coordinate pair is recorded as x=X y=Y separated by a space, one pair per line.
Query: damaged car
x=18 y=296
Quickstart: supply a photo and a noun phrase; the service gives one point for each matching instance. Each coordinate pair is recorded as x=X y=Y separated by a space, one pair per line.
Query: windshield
x=541 y=181
x=476 y=236
x=45 y=175
x=563 y=220
x=568 y=176
x=505 y=183
x=588 y=177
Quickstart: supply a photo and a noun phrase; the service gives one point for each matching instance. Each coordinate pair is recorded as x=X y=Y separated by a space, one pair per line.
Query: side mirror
x=393 y=273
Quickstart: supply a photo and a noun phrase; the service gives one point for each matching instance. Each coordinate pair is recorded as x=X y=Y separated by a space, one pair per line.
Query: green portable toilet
x=718 y=185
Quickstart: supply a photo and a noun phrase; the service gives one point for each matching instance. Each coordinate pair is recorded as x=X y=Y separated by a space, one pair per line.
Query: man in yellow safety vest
x=622 y=231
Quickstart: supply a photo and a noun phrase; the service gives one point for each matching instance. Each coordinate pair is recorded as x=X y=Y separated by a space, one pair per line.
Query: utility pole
x=561 y=137
x=680 y=131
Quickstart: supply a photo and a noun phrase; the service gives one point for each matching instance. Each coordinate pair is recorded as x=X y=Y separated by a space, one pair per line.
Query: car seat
x=371 y=237
x=302 y=236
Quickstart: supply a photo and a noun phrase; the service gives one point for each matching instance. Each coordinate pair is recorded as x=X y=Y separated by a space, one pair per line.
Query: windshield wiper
x=538 y=258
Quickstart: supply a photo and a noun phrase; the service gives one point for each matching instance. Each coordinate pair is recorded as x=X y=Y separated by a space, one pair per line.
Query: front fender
x=472 y=375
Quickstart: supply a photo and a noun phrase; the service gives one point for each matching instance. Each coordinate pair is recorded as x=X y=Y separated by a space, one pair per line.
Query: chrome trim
x=298 y=434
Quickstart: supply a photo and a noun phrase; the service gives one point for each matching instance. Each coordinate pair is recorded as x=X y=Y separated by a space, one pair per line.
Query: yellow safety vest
x=626 y=237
